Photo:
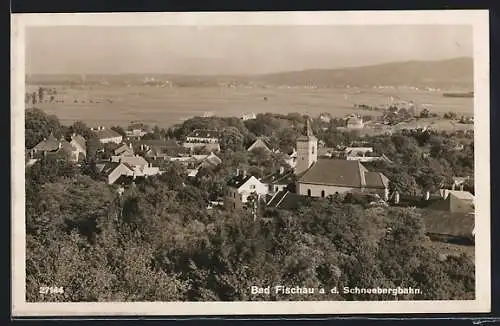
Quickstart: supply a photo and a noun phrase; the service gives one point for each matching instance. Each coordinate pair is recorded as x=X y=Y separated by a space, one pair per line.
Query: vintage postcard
x=245 y=163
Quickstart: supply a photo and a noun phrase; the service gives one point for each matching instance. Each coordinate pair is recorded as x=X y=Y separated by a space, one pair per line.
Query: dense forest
x=156 y=241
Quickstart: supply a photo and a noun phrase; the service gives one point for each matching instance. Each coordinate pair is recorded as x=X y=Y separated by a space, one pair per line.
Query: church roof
x=343 y=173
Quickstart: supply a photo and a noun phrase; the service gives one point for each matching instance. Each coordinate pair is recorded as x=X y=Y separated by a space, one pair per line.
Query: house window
x=309 y=192
x=312 y=152
x=270 y=188
x=252 y=186
x=234 y=205
x=323 y=193
x=234 y=195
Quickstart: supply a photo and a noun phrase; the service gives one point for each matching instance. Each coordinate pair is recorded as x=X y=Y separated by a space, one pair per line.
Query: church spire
x=307 y=129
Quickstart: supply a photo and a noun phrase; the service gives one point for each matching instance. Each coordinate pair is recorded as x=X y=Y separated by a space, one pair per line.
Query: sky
x=232 y=50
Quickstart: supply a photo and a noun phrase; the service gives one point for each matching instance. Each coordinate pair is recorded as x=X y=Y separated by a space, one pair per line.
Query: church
x=325 y=177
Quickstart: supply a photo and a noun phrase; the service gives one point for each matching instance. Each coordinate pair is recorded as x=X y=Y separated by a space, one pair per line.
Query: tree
x=231 y=139
x=41 y=94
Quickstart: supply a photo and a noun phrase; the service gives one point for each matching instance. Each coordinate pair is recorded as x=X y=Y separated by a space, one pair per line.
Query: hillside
x=446 y=74
x=441 y=74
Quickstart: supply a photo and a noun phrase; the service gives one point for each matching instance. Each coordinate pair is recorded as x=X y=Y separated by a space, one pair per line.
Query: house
x=262 y=143
x=202 y=161
x=278 y=181
x=241 y=188
x=362 y=154
x=203 y=138
x=53 y=146
x=107 y=135
x=136 y=130
x=80 y=145
x=354 y=122
x=451 y=217
x=128 y=166
x=325 y=117
x=325 y=177
x=159 y=148
x=291 y=158
x=124 y=150
x=455 y=201
x=210 y=161
x=248 y=116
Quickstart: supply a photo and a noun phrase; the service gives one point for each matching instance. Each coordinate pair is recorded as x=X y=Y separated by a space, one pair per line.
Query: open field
x=111 y=104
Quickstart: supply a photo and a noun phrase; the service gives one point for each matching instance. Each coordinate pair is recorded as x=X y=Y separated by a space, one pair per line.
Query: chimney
x=427 y=195
x=130 y=145
x=462 y=187
x=237 y=171
x=244 y=173
x=396 y=197
x=282 y=170
x=453 y=186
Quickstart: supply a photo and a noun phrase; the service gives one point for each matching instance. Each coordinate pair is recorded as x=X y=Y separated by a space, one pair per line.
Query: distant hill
x=441 y=74
x=445 y=74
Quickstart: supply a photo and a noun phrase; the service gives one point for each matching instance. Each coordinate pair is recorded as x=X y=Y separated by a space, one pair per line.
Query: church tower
x=307 y=149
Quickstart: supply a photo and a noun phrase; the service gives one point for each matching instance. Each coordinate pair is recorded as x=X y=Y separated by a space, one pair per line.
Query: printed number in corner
x=51 y=290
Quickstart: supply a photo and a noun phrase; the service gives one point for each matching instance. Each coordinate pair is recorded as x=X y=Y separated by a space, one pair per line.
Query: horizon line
x=243 y=74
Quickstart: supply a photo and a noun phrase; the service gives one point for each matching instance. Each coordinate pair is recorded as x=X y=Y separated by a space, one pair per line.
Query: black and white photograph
x=250 y=163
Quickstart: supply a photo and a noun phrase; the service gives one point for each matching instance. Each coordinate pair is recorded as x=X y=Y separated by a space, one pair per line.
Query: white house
x=355 y=122
x=240 y=188
x=248 y=116
x=203 y=138
x=107 y=135
x=79 y=146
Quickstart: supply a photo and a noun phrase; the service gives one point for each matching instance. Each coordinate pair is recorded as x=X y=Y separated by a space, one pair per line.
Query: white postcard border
x=476 y=18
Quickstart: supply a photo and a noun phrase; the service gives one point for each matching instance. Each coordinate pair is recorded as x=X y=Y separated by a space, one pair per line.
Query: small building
x=200 y=138
x=124 y=150
x=127 y=166
x=280 y=180
x=248 y=116
x=80 y=146
x=241 y=188
x=261 y=142
x=53 y=146
x=355 y=122
x=107 y=135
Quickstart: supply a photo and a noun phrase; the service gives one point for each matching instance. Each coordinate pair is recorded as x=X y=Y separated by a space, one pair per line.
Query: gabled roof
x=376 y=180
x=106 y=133
x=79 y=140
x=49 y=144
x=238 y=180
x=261 y=142
x=285 y=199
x=133 y=160
x=204 y=133
x=335 y=172
x=445 y=223
x=278 y=178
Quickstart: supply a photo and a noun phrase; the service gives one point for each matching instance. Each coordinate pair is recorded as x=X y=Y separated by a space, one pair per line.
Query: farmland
x=116 y=104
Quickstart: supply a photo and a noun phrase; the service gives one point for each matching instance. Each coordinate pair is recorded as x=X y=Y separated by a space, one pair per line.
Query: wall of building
x=116 y=140
x=302 y=189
